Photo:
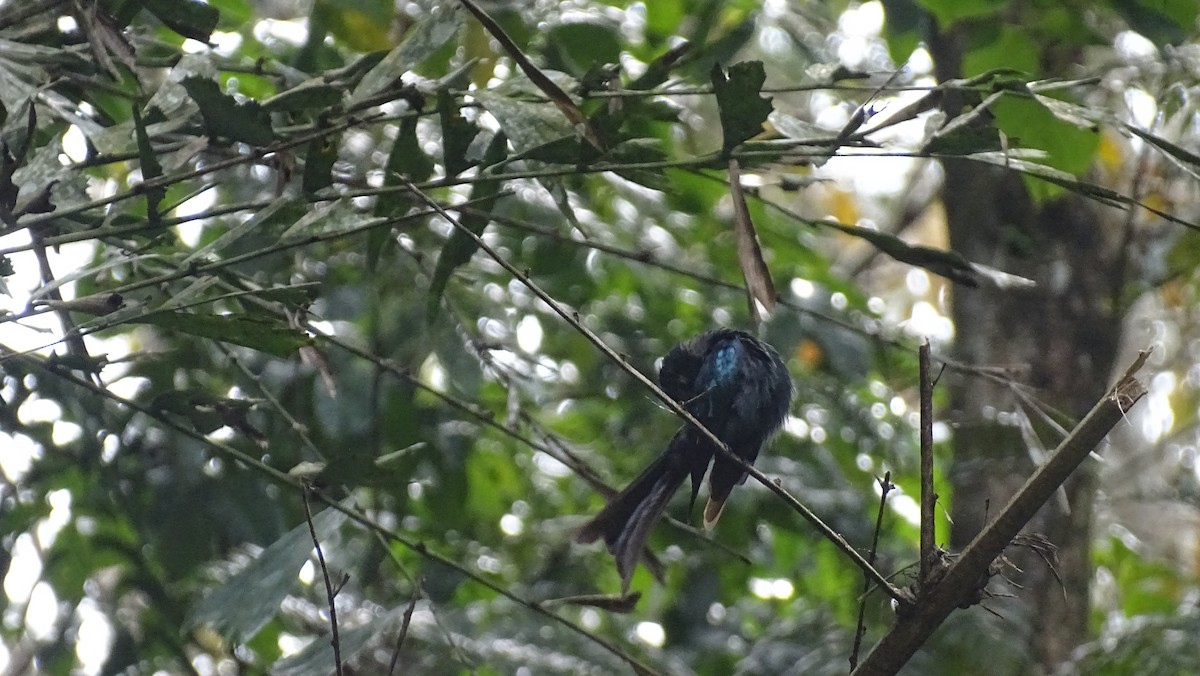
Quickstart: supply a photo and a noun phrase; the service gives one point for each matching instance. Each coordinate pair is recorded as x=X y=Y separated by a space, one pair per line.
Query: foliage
x=274 y=313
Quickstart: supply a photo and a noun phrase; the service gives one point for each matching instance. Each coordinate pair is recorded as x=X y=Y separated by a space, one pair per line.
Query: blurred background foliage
x=209 y=194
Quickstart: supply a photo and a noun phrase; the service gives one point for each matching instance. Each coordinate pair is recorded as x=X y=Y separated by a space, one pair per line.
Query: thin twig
x=885 y=487
x=329 y=593
x=408 y=613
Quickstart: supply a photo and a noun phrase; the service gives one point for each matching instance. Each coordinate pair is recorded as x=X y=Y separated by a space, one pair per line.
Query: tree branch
x=970 y=573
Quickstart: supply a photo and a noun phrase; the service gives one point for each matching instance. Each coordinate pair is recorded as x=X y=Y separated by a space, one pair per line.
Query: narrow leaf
x=760 y=290
x=1063 y=179
x=240 y=230
x=407 y=158
x=429 y=36
x=1186 y=159
x=319 y=158
x=248 y=600
x=457 y=134
x=459 y=247
x=151 y=169
x=259 y=333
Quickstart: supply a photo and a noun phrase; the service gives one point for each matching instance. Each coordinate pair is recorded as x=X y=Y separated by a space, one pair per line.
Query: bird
x=739 y=389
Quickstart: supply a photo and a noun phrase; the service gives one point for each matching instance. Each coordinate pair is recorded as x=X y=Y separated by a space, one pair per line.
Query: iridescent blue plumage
x=735 y=386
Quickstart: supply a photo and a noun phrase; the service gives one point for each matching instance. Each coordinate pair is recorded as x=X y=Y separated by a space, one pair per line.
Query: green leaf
x=457 y=134
x=576 y=46
x=903 y=29
x=224 y=116
x=407 y=158
x=234 y=13
x=460 y=247
x=428 y=38
x=742 y=109
x=260 y=333
x=949 y=11
x=1164 y=22
x=319 y=157
x=527 y=124
x=150 y=167
x=362 y=26
x=190 y=18
x=248 y=600
x=1029 y=124
x=1010 y=47
x=236 y=232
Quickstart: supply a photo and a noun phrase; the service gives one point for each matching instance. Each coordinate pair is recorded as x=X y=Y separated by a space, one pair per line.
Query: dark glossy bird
x=738 y=388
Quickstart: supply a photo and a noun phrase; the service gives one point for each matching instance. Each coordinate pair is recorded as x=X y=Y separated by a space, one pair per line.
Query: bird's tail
x=725 y=475
x=626 y=521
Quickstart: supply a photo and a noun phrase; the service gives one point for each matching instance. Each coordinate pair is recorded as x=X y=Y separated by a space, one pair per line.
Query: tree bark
x=1063 y=334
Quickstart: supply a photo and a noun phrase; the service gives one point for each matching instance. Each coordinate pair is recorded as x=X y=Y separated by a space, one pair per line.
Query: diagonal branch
x=971 y=571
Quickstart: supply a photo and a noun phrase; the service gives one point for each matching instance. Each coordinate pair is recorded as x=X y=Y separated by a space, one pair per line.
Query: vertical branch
x=885 y=485
x=928 y=497
x=408 y=613
x=329 y=593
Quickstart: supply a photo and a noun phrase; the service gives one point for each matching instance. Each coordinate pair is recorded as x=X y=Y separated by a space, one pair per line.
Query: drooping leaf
x=760 y=290
x=460 y=247
x=319 y=158
x=407 y=158
x=742 y=108
x=457 y=134
x=151 y=169
x=224 y=116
